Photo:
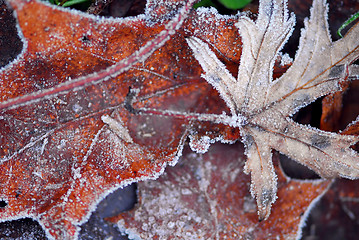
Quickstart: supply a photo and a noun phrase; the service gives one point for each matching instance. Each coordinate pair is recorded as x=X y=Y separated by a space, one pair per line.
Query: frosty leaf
x=60 y=155
x=206 y=197
x=215 y=71
x=339 y=206
x=263 y=106
x=262 y=41
x=332 y=105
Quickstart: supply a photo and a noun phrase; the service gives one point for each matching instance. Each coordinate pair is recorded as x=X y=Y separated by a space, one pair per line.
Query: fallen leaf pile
x=93 y=104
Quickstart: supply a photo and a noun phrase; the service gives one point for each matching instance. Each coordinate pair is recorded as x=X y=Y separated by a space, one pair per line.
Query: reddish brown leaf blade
x=341 y=108
x=113 y=71
x=207 y=196
x=331 y=111
x=58 y=158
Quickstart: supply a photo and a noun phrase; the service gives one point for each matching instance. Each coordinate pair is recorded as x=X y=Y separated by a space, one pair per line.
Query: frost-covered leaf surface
x=261 y=106
x=61 y=154
x=206 y=197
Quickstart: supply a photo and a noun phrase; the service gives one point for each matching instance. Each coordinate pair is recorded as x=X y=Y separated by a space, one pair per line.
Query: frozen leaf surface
x=64 y=147
x=62 y=151
x=261 y=106
x=206 y=197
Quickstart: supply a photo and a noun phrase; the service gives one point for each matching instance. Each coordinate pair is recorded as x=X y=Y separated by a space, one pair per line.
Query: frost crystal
x=200 y=145
x=261 y=107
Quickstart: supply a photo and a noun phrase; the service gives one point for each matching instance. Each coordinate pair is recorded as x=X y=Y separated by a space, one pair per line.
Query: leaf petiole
x=346 y=23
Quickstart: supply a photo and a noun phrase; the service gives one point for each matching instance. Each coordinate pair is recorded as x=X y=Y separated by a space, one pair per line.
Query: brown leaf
x=66 y=143
x=336 y=215
x=341 y=108
x=332 y=110
x=206 y=197
x=58 y=158
x=261 y=107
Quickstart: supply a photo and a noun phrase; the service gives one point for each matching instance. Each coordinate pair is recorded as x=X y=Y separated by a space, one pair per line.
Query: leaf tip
x=264 y=202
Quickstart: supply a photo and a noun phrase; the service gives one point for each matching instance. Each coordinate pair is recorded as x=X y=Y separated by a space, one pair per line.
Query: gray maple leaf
x=261 y=107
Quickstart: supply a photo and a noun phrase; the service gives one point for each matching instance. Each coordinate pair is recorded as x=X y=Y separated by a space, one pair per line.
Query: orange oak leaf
x=66 y=143
x=206 y=197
